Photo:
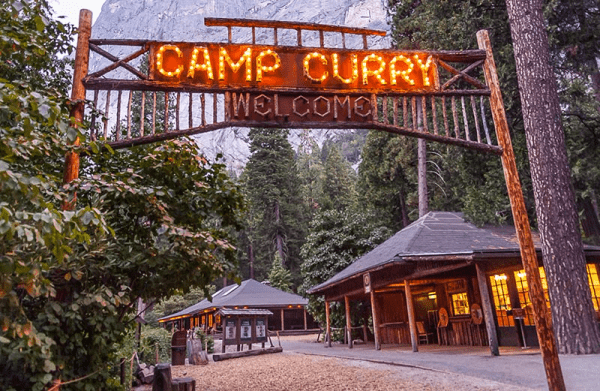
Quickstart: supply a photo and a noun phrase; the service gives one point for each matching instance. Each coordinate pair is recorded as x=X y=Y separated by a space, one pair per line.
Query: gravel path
x=293 y=372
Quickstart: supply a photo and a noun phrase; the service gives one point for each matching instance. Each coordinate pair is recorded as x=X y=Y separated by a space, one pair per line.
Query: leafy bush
x=209 y=340
x=153 y=337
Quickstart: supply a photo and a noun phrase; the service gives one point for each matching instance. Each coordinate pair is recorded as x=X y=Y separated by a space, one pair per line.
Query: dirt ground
x=288 y=371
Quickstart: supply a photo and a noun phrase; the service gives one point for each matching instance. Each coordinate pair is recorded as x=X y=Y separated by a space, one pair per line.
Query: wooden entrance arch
x=435 y=96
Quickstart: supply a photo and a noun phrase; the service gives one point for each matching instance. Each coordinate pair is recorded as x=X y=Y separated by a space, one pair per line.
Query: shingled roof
x=250 y=293
x=436 y=233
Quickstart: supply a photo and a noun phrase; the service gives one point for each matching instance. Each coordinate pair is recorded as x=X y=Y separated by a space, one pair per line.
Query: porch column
x=375 y=312
x=305 y=323
x=282 y=321
x=348 y=321
x=411 y=317
x=328 y=327
x=488 y=312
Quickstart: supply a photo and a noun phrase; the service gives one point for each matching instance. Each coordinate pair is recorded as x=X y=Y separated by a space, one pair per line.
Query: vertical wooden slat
x=465 y=118
x=424 y=114
x=229 y=38
x=94 y=131
x=365 y=43
x=321 y=38
x=253 y=35
x=344 y=40
x=485 y=127
x=142 y=113
x=178 y=107
x=395 y=103
x=299 y=36
x=488 y=311
x=166 y=126
x=106 y=113
x=413 y=104
x=455 y=117
x=475 y=116
x=228 y=104
x=154 y=113
x=544 y=330
x=214 y=108
x=203 y=103
x=434 y=115
x=445 y=115
x=275 y=38
x=405 y=111
x=348 y=321
x=411 y=317
x=118 y=126
x=190 y=111
x=374 y=110
x=385 y=110
x=129 y=114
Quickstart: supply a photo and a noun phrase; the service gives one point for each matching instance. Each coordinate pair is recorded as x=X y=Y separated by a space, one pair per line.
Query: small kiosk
x=244 y=326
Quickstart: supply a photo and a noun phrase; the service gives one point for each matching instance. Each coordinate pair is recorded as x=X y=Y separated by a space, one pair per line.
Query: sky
x=70 y=9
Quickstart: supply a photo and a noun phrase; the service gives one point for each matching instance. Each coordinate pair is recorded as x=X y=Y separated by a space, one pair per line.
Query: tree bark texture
x=572 y=309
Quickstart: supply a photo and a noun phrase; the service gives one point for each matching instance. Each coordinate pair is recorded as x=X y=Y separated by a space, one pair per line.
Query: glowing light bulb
x=336 y=73
x=404 y=74
x=369 y=72
x=246 y=59
x=307 y=67
x=159 y=63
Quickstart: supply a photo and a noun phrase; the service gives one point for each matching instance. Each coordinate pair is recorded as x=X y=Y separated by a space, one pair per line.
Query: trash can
x=178 y=348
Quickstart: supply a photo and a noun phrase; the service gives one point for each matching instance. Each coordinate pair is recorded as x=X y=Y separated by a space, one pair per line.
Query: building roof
x=244 y=312
x=435 y=234
x=250 y=293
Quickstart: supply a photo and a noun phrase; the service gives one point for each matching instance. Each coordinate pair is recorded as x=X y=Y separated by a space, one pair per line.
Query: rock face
x=183 y=20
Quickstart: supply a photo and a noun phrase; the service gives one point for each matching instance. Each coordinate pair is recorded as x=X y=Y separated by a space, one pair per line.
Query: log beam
x=375 y=312
x=488 y=311
x=411 y=317
x=348 y=321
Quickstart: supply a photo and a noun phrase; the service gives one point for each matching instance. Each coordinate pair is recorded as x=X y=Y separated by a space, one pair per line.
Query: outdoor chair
x=422 y=333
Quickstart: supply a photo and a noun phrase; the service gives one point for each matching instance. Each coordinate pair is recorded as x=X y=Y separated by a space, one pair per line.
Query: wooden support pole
x=282 y=321
x=541 y=316
x=488 y=311
x=328 y=322
x=348 y=321
x=411 y=317
x=82 y=60
x=305 y=323
x=375 y=313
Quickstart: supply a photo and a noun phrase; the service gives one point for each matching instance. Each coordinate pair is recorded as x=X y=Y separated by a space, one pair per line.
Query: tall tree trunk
x=572 y=310
x=403 y=211
x=422 y=165
x=251 y=258
x=279 y=238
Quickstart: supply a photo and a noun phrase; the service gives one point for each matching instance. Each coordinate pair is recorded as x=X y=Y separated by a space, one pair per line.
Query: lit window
x=592 y=272
x=460 y=303
x=501 y=299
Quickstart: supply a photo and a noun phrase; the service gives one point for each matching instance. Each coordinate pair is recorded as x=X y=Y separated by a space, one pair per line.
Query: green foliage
x=207 y=340
x=459 y=179
x=338 y=182
x=276 y=213
x=151 y=339
x=149 y=222
x=335 y=240
x=279 y=276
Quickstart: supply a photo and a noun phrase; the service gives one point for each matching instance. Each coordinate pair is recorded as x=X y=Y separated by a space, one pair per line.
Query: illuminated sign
x=213 y=65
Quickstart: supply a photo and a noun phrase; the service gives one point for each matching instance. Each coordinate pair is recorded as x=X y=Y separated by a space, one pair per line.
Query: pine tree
x=272 y=188
x=279 y=276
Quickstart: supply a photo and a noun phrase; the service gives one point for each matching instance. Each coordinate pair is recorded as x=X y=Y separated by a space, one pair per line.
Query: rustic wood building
x=289 y=310
x=444 y=280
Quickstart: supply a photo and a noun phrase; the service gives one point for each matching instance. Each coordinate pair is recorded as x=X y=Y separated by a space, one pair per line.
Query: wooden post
x=544 y=330
x=82 y=60
x=375 y=313
x=348 y=321
x=282 y=321
x=305 y=323
x=411 y=317
x=328 y=321
x=488 y=313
